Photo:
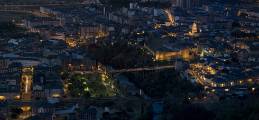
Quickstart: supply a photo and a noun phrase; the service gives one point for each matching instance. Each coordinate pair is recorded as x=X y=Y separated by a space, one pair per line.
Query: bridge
x=127 y=70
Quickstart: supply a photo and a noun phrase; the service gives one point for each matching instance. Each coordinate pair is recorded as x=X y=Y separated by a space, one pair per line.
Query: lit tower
x=194 y=31
x=194 y=28
x=26 y=83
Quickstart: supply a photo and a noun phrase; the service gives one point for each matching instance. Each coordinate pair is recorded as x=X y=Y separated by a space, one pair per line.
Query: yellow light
x=26 y=85
x=253 y=89
x=112 y=86
x=194 y=30
x=2 y=98
x=86 y=89
x=103 y=77
x=101 y=34
x=26 y=108
x=17 y=97
x=84 y=83
x=211 y=70
x=172 y=34
x=250 y=80
x=98 y=67
x=240 y=81
x=55 y=95
x=71 y=42
x=157 y=26
x=222 y=85
x=213 y=90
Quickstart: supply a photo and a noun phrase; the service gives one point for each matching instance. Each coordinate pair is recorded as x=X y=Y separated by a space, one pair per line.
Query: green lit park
x=97 y=85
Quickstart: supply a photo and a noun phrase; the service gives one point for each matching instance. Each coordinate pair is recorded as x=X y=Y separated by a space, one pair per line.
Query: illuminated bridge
x=128 y=70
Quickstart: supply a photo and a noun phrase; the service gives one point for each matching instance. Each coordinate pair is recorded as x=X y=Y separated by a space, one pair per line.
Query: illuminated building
x=26 y=108
x=170 y=51
x=2 y=98
x=26 y=112
x=167 y=55
x=71 y=42
x=194 y=28
x=160 y=56
x=171 y=20
x=26 y=83
x=92 y=31
x=194 y=31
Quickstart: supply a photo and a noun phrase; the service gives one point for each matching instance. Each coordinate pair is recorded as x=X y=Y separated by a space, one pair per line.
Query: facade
x=93 y=31
x=187 y=4
x=10 y=82
x=26 y=83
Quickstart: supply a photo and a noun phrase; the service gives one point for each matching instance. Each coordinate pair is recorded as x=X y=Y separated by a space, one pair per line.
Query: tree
x=236 y=24
x=159 y=84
